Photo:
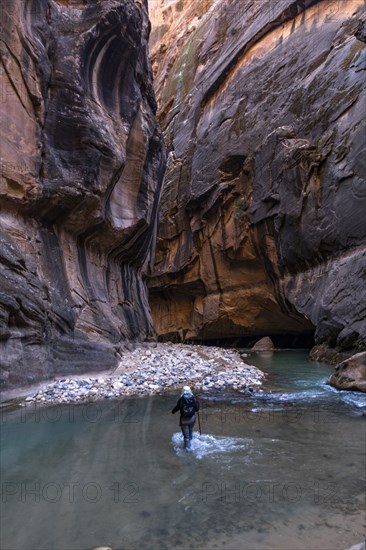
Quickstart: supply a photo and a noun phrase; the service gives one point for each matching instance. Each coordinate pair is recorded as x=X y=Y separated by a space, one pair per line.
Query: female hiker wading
x=188 y=406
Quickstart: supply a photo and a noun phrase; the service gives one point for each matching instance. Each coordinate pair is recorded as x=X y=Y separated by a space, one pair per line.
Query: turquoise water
x=284 y=469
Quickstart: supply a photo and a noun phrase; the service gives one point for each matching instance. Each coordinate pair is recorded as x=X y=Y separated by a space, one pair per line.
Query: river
x=280 y=470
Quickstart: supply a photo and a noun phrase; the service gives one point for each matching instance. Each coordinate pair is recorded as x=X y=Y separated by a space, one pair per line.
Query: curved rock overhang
x=82 y=166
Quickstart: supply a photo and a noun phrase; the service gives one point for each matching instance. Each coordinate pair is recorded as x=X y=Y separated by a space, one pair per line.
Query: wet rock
x=350 y=374
x=325 y=354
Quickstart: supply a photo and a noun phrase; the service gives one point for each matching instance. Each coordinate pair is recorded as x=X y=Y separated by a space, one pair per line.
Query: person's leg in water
x=187 y=430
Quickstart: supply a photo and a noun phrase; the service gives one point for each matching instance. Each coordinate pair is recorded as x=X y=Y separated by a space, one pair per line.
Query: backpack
x=187 y=406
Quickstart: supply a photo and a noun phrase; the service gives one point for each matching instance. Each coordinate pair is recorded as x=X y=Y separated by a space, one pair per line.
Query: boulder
x=350 y=374
x=325 y=354
x=264 y=344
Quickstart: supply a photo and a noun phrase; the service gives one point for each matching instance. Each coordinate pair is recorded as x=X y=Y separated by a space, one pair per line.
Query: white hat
x=186 y=389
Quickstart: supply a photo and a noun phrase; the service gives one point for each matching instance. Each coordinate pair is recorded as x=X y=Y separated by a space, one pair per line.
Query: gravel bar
x=155 y=368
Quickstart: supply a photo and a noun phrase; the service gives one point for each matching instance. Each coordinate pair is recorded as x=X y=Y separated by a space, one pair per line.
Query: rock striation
x=82 y=162
x=262 y=227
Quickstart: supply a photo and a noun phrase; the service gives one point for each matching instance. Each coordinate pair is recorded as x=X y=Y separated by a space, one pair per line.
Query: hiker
x=188 y=406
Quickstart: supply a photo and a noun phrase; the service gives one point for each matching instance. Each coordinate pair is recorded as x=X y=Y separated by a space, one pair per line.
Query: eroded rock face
x=262 y=228
x=82 y=162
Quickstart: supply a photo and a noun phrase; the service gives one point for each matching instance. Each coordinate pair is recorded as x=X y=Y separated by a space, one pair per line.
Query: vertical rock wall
x=262 y=227
x=82 y=162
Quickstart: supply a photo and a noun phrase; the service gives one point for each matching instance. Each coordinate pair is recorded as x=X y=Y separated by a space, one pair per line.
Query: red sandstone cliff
x=262 y=226
x=82 y=162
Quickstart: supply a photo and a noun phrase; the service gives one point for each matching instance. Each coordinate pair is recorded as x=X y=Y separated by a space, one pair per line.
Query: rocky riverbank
x=155 y=368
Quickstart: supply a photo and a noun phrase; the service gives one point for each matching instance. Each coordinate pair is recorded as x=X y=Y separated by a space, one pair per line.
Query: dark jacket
x=186 y=420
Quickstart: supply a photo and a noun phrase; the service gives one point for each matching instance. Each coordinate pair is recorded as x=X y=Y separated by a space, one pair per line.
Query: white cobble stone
x=152 y=371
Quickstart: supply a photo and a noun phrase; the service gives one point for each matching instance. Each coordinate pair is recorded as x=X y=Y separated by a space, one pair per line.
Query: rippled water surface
x=283 y=469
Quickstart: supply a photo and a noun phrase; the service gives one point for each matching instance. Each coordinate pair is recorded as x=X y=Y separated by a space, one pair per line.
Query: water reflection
x=279 y=470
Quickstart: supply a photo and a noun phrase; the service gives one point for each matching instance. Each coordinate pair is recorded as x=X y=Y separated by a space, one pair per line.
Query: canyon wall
x=262 y=226
x=82 y=162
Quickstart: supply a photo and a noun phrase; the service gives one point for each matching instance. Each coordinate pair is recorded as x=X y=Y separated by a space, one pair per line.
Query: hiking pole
x=199 y=422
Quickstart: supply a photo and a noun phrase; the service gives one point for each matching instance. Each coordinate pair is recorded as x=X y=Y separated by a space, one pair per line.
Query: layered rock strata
x=262 y=228
x=82 y=161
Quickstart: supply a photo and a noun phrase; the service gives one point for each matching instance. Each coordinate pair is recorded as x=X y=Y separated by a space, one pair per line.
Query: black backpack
x=187 y=406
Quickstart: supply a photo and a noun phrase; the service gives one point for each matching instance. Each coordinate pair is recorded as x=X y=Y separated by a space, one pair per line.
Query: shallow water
x=279 y=470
